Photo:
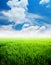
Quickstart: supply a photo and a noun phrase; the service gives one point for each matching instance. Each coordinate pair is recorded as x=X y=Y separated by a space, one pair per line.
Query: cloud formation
x=31 y=32
x=19 y=14
x=44 y=1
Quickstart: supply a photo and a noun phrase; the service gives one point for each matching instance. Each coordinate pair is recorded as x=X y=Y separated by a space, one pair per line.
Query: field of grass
x=25 y=51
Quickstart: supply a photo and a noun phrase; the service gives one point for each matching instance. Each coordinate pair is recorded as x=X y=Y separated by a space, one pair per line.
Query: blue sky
x=25 y=15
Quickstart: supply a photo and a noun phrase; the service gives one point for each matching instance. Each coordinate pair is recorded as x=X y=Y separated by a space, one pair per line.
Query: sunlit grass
x=25 y=51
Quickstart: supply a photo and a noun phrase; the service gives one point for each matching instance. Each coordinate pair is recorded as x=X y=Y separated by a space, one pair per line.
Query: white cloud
x=16 y=3
x=18 y=10
x=35 y=16
x=26 y=25
x=34 y=29
x=18 y=13
x=44 y=1
x=5 y=28
x=30 y=32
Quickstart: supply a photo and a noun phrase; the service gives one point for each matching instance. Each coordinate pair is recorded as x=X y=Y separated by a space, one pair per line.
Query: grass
x=25 y=51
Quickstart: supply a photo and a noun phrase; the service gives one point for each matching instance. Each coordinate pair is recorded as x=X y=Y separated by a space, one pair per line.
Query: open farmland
x=25 y=51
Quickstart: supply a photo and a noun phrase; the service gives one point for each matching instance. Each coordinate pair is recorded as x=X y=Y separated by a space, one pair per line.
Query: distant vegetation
x=25 y=51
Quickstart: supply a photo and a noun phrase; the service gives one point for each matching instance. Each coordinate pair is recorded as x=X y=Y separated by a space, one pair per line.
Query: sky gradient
x=25 y=18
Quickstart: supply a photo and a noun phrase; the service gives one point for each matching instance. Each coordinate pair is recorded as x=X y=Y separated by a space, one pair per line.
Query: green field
x=25 y=51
